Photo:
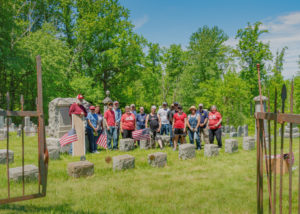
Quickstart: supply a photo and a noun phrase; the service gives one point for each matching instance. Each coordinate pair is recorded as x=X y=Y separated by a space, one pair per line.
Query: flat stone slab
x=187 y=151
x=31 y=173
x=211 y=150
x=158 y=159
x=122 y=162
x=126 y=144
x=231 y=145
x=145 y=144
x=248 y=143
x=165 y=139
x=54 y=152
x=80 y=169
x=3 y=156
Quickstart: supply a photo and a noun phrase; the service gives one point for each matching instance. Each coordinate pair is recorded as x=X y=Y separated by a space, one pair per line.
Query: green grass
x=223 y=184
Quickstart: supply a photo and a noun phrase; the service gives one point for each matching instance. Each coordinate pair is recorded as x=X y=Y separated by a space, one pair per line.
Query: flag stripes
x=69 y=137
x=142 y=134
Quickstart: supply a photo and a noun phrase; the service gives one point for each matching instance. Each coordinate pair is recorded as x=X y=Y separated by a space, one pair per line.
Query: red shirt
x=77 y=109
x=213 y=119
x=109 y=116
x=128 y=121
x=179 y=120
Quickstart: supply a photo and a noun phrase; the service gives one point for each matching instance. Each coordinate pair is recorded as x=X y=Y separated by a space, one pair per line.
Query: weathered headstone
x=227 y=129
x=295 y=131
x=19 y=132
x=245 y=127
x=12 y=127
x=239 y=131
x=145 y=144
x=3 y=156
x=123 y=162
x=54 y=152
x=233 y=134
x=187 y=151
x=80 y=169
x=158 y=159
x=126 y=144
x=211 y=150
x=30 y=173
x=232 y=129
x=231 y=145
x=248 y=143
x=165 y=139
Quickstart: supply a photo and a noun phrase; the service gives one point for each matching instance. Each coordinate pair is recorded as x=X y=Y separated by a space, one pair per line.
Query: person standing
x=132 y=109
x=100 y=120
x=78 y=109
x=128 y=124
x=179 y=126
x=141 y=120
x=171 y=113
x=215 y=120
x=155 y=126
x=202 y=131
x=118 y=115
x=110 y=123
x=163 y=114
x=91 y=128
x=193 y=123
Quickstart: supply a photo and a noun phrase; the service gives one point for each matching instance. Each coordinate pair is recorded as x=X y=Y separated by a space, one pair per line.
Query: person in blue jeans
x=140 y=120
x=91 y=127
x=202 y=131
x=118 y=115
x=193 y=123
x=171 y=113
x=163 y=114
x=111 y=130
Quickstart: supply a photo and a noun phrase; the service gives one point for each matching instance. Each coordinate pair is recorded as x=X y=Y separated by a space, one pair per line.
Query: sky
x=173 y=21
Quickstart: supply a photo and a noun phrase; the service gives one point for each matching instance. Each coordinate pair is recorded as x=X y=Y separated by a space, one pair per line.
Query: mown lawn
x=223 y=184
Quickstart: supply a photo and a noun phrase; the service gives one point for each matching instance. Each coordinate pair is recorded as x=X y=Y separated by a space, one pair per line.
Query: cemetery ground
x=222 y=184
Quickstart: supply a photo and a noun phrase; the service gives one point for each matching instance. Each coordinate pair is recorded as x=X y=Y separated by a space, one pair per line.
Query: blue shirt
x=134 y=112
x=118 y=115
x=203 y=116
x=93 y=118
x=141 y=119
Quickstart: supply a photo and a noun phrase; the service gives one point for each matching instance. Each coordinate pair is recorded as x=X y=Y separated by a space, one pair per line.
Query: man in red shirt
x=179 y=126
x=77 y=107
x=214 y=123
x=111 y=129
x=127 y=123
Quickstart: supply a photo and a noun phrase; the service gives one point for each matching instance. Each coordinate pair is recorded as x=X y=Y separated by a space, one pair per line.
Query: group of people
x=169 y=121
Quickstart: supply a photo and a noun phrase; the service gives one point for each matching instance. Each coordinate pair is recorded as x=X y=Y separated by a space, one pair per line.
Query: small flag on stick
x=69 y=137
x=102 y=141
x=142 y=134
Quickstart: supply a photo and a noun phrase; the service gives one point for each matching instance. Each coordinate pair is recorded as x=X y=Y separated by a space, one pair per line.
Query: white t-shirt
x=163 y=114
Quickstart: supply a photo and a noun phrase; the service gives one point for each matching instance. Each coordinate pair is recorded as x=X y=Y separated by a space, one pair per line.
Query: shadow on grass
x=62 y=208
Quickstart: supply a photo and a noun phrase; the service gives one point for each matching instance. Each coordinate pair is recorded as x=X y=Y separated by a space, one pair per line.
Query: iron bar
x=7 y=147
x=269 y=141
x=291 y=151
x=22 y=135
x=275 y=151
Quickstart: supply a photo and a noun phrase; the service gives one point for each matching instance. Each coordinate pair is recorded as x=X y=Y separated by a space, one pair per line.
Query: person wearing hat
x=118 y=115
x=127 y=123
x=163 y=114
x=91 y=128
x=110 y=123
x=202 y=131
x=215 y=120
x=179 y=126
x=77 y=107
x=155 y=126
x=193 y=123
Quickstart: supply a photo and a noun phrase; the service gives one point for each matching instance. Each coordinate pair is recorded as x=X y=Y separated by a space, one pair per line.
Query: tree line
x=89 y=46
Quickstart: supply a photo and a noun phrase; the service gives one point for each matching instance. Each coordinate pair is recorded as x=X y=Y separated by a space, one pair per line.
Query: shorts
x=127 y=133
x=178 y=132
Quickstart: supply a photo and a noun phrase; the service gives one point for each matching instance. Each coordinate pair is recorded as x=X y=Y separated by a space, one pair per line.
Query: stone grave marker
x=187 y=151
x=231 y=145
x=211 y=150
x=240 y=131
x=3 y=156
x=248 y=143
x=145 y=144
x=122 y=162
x=80 y=169
x=158 y=159
x=30 y=173
x=233 y=134
x=245 y=131
x=126 y=144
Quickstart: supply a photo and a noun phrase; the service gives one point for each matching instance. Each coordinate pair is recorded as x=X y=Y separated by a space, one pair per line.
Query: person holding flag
x=91 y=128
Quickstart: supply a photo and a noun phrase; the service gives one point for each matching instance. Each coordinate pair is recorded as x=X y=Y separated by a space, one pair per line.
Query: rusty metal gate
x=42 y=149
x=268 y=158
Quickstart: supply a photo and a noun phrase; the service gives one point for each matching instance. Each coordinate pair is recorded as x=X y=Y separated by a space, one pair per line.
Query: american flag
x=102 y=141
x=69 y=137
x=142 y=134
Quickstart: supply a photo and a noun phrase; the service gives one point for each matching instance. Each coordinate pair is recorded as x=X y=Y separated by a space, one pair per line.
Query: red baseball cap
x=92 y=107
x=80 y=97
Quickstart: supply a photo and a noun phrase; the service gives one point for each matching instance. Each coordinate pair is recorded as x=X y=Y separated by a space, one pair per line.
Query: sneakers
x=96 y=152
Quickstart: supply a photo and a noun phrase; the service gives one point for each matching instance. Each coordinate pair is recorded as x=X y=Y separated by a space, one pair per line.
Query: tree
x=297 y=90
x=250 y=51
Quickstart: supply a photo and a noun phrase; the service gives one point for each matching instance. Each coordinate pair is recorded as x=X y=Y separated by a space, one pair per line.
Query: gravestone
x=12 y=127
x=80 y=169
x=19 y=132
x=239 y=131
x=295 y=131
x=3 y=156
x=126 y=144
x=211 y=150
x=245 y=131
x=187 y=151
x=233 y=134
x=30 y=173
x=227 y=129
x=258 y=109
x=231 y=145
x=122 y=162
x=248 y=143
x=158 y=159
x=54 y=152
x=232 y=129
x=165 y=139
x=145 y=144
x=1 y=122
